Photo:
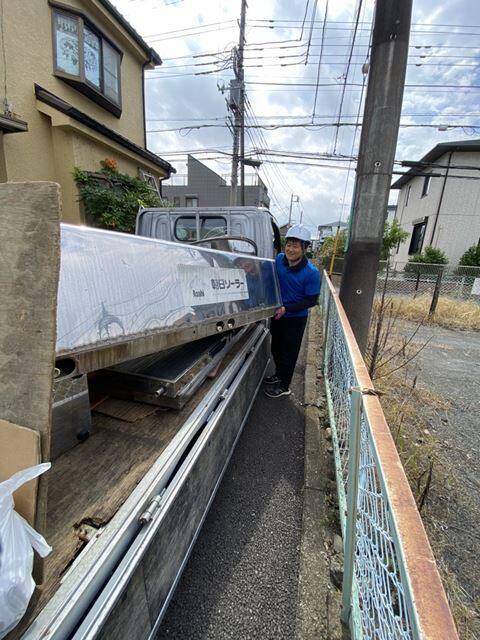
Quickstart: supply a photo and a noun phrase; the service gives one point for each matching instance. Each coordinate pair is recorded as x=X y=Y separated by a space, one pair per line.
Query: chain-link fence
x=413 y=279
x=391 y=586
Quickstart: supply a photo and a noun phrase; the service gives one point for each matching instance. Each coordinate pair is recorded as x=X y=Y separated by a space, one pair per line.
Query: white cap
x=300 y=232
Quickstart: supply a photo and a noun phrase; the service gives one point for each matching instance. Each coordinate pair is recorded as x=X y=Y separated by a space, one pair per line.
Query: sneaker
x=277 y=392
x=271 y=379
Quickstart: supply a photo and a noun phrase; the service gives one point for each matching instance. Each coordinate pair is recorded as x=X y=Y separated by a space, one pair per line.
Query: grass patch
x=450 y=313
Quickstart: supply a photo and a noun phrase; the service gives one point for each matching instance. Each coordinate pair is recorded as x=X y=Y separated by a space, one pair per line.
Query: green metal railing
x=391 y=586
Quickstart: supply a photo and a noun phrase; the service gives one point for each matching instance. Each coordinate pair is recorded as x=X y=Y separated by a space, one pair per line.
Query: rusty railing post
x=349 y=543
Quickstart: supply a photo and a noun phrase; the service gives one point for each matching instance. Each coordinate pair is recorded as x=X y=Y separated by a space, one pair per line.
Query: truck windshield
x=210 y=227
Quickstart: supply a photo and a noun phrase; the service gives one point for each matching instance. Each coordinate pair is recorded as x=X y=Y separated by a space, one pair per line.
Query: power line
x=268 y=179
x=308 y=126
x=356 y=84
x=304 y=19
x=342 y=97
x=315 y=4
x=320 y=61
x=325 y=115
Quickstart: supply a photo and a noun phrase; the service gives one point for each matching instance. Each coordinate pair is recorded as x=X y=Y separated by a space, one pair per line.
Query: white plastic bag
x=17 y=541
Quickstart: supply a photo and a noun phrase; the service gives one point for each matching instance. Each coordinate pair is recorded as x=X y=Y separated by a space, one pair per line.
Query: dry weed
x=450 y=313
x=414 y=414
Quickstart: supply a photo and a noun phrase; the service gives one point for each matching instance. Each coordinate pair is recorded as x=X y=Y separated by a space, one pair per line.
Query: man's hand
x=279 y=313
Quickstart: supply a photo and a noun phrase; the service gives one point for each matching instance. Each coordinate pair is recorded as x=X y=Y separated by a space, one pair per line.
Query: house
x=202 y=187
x=330 y=229
x=78 y=100
x=439 y=200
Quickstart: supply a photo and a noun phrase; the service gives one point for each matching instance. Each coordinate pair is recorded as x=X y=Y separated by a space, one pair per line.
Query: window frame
x=419 y=247
x=198 y=229
x=426 y=185
x=407 y=195
x=152 y=181
x=191 y=206
x=80 y=82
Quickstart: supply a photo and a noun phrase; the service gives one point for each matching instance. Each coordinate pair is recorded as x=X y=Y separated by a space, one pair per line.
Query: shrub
x=326 y=250
x=425 y=262
x=112 y=199
x=393 y=235
x=471 y=257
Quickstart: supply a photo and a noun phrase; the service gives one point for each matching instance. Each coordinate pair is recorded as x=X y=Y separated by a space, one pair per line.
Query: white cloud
x=321 y=189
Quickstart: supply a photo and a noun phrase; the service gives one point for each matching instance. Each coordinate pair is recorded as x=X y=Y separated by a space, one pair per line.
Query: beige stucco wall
x=49 y=152
x=458 y=225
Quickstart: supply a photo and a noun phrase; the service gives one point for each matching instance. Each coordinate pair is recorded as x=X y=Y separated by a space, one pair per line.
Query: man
x=300 y=286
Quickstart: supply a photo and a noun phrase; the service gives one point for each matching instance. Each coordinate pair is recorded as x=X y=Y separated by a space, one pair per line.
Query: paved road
x=241 y=580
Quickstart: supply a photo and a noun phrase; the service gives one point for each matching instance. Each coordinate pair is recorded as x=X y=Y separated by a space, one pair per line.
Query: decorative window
x=84 y=58
x=210 y=227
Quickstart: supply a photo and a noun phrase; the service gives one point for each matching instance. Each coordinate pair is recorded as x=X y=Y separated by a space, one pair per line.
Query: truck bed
x=89 y=483
x=149 y=484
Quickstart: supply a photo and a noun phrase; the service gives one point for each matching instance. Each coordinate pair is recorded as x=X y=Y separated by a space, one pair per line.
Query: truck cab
x=222 y=226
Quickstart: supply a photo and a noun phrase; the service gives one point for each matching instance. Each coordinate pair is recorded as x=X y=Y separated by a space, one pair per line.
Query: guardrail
x=391 y=586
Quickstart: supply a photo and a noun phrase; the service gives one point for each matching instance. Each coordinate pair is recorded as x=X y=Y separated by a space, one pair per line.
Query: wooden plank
x=30 y=241
x=20 y=449
x=124 y=410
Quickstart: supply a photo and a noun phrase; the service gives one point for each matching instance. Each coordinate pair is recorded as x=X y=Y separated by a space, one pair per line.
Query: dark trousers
x=287 y=334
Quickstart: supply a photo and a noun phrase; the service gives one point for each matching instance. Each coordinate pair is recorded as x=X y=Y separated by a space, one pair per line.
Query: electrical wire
x=304 y=19
x=342 y=97
x=320 y=61
x=315 y=4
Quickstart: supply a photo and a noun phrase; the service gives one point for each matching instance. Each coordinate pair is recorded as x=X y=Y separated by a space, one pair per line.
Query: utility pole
x=237 y=104
x=234 y=179
x=291 y=205
x=378 y=142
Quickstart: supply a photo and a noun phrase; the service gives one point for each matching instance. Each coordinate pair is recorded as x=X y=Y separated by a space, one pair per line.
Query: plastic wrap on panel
x=115 y=287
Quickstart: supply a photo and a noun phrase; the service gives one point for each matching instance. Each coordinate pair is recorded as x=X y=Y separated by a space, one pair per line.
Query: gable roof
x=435 y=153
x=149 y=51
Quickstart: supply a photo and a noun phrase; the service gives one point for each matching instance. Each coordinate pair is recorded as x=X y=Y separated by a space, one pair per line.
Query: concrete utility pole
x=378 y=142
x=234 y=178
x=238 y=106
x=291 y=205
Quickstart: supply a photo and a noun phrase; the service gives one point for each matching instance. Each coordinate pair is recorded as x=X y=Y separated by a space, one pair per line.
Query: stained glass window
x=94 y=68
x=66 y=35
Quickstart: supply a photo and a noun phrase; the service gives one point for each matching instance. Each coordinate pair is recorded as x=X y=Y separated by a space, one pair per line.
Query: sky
x=291 y=47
